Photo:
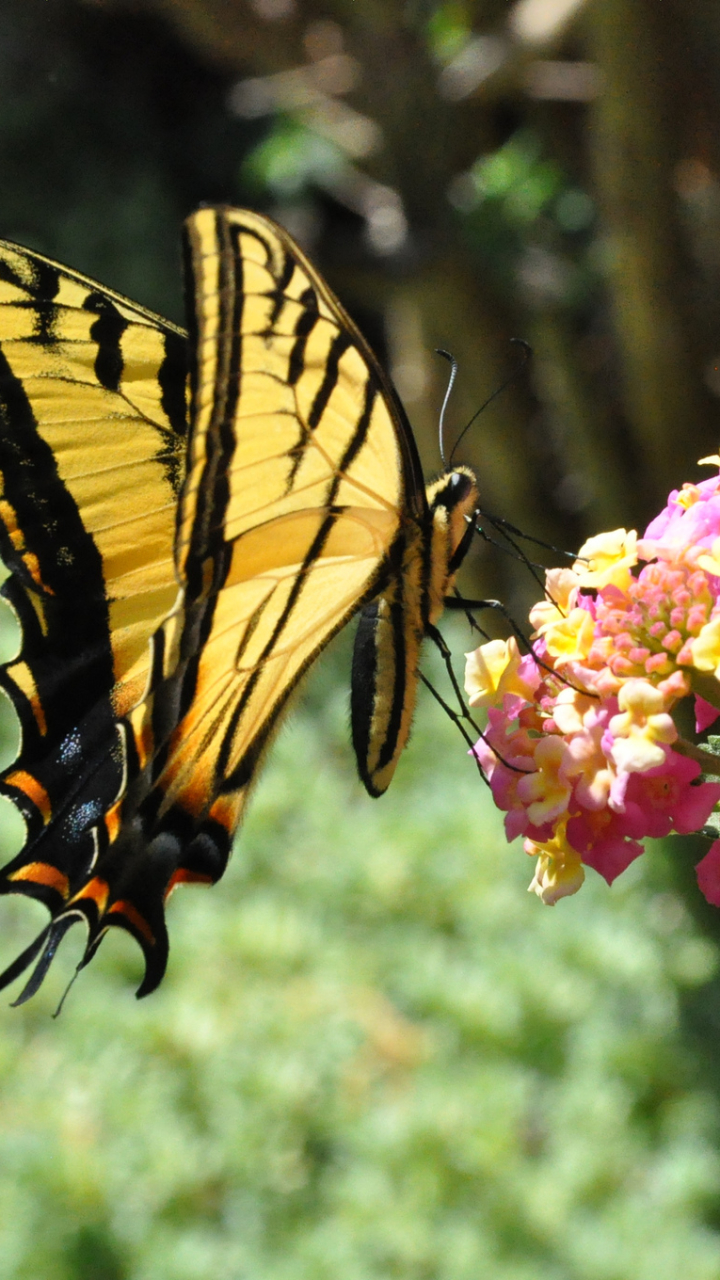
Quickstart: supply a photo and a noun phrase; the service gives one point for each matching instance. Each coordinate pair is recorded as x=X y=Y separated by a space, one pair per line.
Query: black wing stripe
x=70 y=565
x=107 y=332
x=308 y=318
x=358 y=439
x=233 y=348
x=207 y=537
x=213 y=490
x=339 y=345
x=279 y=293
x=46 y=283
x=172 y=376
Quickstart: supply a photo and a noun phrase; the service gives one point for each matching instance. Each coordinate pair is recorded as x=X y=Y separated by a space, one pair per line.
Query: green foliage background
x=374 y=1055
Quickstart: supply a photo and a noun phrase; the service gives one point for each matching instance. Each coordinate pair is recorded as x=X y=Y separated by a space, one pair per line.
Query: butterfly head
x=453 y=501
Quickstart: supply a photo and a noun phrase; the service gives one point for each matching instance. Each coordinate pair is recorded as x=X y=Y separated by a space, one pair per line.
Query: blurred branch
x=595 y=480
x=541 y=22
x=633 y=153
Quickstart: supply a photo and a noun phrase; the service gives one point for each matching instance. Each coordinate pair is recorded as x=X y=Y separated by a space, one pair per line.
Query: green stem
x=708 y=762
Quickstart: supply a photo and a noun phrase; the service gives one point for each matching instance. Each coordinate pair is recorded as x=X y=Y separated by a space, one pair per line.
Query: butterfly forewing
x=281 y=534
x=289 y=414
x=92 y=398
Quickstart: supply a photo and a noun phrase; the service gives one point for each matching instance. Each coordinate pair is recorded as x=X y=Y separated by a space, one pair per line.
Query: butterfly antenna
x=499 y=523
x=527 y=352
x=451 y=382
x=512 y=548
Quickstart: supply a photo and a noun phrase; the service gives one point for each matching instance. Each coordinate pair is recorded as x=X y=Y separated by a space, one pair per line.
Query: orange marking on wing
x=33 y=567
x=133 y=915
x=96 y=889
x=183 y=876
x=227 y=809
x=38 y=711
x=43 y=873
x=8 y=515
x=24 y=679
x=113 y=821
x=34 y=791
x=126 y=694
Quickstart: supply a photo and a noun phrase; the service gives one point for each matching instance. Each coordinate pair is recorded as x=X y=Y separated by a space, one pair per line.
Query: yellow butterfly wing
x=93 y=424
x=92 y=451
x=296 y=479
x=298 y=474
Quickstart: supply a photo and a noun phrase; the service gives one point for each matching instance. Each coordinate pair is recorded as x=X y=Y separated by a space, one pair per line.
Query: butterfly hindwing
x=92 y=449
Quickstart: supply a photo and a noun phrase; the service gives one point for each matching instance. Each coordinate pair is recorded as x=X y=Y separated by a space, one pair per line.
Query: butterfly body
x=188 y=521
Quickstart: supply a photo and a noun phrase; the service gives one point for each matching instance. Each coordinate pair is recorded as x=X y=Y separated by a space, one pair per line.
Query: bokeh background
x=374 y=1055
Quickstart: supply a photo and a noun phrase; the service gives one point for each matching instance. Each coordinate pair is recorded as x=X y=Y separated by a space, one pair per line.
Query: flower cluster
x=581 y=747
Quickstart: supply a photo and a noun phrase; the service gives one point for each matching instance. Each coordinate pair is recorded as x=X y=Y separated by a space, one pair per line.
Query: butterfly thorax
x=453 y=500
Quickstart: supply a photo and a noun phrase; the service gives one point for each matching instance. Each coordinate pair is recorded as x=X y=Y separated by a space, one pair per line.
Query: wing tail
x=49 y=940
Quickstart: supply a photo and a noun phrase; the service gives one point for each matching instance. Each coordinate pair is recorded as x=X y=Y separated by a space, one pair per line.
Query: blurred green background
x=374 y=1055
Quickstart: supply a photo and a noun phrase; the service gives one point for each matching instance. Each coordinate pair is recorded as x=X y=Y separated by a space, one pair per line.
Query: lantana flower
x=581 y=750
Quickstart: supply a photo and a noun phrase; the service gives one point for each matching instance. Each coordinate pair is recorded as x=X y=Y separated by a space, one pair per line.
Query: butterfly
x=188 y=518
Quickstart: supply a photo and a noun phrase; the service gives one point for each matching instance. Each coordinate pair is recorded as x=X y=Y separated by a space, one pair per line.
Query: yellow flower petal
x=492 y=671
x=711 y=563
x=571 y=639
x=706 y=647
x=559 y=870
x=606 y=559
x=561 y=586
x=546 y=792
x=641 y=727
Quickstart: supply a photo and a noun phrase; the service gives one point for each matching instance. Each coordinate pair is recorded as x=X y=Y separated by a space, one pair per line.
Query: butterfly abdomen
x=385 y=656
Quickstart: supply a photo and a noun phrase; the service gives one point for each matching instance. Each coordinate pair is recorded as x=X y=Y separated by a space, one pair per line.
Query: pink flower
x=506 y=758
x=605 y=839
x=705 y=714
x=612 y=856
x=579 y=754
x=667 y=799
x=690 y=521
x=708 y=874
